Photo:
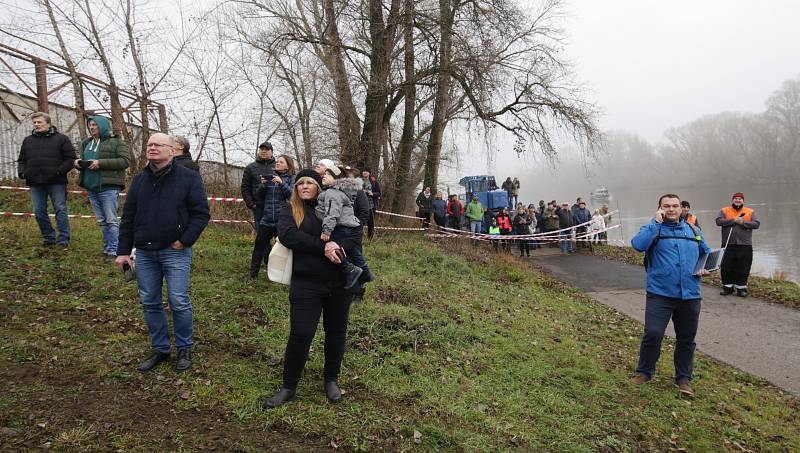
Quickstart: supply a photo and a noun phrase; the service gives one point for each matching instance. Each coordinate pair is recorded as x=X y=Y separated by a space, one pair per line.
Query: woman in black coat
x=316 y=288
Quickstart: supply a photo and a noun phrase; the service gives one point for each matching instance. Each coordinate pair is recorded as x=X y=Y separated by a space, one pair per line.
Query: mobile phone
x=84 y=164
x=128 y=272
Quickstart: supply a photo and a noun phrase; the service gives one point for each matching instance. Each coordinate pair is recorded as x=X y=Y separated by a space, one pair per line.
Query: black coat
x=45 y=158
x=251 y=180
x=186 y=161
x=160 y=211
x=564 y=218
x=310 y=267
x=275 y=197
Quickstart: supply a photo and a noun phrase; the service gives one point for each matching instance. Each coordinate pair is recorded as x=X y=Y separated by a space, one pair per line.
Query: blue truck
x=485 y=188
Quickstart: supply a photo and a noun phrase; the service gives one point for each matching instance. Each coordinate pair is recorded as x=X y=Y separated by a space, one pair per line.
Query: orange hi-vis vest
x=503 y=223
x=731 y=213
x=691 y=219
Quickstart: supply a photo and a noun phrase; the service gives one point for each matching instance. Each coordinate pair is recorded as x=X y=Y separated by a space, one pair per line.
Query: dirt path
x=755 y=336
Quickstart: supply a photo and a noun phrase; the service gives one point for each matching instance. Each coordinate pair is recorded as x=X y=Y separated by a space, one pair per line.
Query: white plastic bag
x=279 y=267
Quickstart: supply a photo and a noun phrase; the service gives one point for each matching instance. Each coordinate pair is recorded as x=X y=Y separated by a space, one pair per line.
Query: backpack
x=697 y=238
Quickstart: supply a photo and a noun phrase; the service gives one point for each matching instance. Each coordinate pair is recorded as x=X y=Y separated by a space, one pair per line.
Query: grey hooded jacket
x=335 y=205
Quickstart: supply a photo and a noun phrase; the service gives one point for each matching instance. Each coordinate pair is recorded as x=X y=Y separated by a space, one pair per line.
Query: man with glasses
x=165 y=212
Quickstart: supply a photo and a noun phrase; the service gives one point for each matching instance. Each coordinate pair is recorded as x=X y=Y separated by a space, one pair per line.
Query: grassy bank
x=453 y=350
x=777 y=290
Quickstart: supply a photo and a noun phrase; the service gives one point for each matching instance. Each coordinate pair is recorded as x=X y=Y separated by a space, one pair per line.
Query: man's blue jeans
x=566 y=241
x=174 y=266
x=685 y=316
x=58 y=196
x=104 y=205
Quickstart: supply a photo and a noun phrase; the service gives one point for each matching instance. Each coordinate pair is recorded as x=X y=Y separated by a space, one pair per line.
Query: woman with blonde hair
x=316 y=288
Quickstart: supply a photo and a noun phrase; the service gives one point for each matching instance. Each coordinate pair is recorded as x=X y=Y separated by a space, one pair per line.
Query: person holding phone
x=275 y=190
x=104 y=159
x=672 y=249
x=164 y=214
x=738 y=223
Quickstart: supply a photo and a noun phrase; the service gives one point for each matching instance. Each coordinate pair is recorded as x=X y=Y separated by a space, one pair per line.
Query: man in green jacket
x=474 y=215
x=103 y=161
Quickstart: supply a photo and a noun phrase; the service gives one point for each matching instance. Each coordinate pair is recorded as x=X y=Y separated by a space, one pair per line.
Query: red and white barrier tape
x=80 y=216
x=399 y=229
x=122 y=194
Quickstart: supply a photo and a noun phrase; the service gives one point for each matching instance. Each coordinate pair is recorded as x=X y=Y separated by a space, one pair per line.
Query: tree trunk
x=77 y=86
x=442 y=102
x=402 y=166
x=144 y=93
x=346 y=113
x=383 y=37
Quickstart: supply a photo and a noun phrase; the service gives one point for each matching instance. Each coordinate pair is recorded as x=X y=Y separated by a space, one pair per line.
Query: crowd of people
x=319 y=213
x=567 y=223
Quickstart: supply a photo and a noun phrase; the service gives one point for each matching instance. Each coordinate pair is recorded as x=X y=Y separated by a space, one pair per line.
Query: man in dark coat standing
x=45 y=158
x=264 y=165
x=165 y=212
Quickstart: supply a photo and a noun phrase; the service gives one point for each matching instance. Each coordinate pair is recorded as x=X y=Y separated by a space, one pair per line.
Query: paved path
x=750 y=334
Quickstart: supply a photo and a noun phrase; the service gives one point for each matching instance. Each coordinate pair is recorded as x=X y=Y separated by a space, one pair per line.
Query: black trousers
x=735 y=267
x=371 y=223
x=261 y=248
x=307 y=302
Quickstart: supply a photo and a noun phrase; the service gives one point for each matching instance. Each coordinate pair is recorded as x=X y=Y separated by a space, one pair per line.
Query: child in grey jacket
x=335 y=210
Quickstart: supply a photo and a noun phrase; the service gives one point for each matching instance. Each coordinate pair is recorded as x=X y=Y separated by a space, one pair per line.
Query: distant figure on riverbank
x=687 y=215
x=672 y=249
x=738 y=223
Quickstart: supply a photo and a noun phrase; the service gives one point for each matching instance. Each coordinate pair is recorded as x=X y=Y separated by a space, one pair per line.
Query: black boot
x=366 y=276
x=726 y=291
x=333 y=392
x=741 y=292
x=152 y=360
x=278 y=399
x=184 y=360
x=351 y=274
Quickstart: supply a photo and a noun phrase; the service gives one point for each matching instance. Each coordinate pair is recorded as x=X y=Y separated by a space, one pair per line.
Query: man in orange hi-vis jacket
x=738 y=223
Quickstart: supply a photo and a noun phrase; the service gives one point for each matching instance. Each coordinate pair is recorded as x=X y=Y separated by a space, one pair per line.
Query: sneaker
x=358 y=298
x=351 y=274
x=726 y=291
x=639 y=379
x=685 y=388
x=48 y=244
x=64 y=246
x=152 y=360
x=184 y=361
x=741 y=292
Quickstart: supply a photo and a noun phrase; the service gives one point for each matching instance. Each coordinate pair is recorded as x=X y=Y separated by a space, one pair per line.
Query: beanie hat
x=308 y=173
x=327 y=163
x=738 y=194
x=266 y=145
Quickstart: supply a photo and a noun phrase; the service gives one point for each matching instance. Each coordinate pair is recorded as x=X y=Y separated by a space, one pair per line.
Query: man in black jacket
x=183 y=156
x=264 y=165
x=165 y=212
x=45 y=158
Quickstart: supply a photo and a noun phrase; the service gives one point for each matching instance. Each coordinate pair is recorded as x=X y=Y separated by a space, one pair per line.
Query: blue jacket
x=672 y=260
x=581 y=216
x=160 y=210
x=275 y=197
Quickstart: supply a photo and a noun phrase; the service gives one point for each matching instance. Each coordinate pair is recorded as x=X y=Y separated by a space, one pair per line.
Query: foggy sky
x=652 y=65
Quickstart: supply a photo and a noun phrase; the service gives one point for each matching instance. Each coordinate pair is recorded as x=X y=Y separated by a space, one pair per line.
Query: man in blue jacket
x=165 y=212
x=672 y=248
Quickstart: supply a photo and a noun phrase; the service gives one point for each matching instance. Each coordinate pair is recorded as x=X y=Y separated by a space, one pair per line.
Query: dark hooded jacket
x=275 y=197
x=186 y=161
x=45 y=158
x=114 y=156
x=251 y=180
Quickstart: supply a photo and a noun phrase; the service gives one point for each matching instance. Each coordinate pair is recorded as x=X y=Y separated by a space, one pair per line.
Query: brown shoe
x=685 y=388
x=639 y=379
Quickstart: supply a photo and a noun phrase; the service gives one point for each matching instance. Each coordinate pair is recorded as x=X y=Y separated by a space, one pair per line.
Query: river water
x=776 y=245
